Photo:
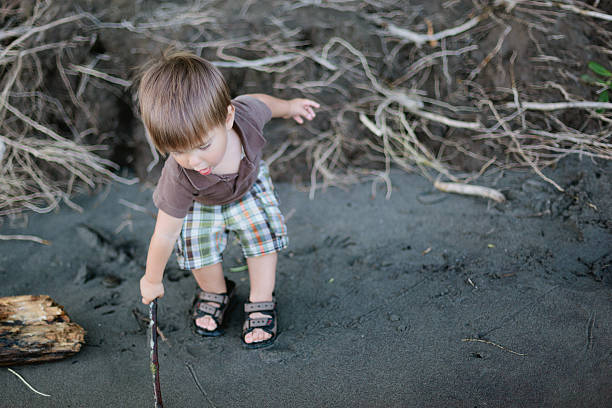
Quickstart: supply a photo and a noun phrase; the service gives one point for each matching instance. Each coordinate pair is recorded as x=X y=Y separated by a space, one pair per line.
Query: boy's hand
x=150 y=290
x=301 y=108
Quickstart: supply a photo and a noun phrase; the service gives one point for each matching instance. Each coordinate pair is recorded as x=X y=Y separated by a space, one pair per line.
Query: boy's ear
x=229 y=120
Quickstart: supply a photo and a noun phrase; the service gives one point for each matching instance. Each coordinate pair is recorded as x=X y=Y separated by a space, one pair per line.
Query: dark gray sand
x=377 y=299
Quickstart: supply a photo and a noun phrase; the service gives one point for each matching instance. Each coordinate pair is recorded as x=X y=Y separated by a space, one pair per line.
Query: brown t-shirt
x=179 y=187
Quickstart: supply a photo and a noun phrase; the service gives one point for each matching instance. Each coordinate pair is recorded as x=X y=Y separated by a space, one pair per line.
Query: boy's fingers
x=147 y=301
x=298 y=119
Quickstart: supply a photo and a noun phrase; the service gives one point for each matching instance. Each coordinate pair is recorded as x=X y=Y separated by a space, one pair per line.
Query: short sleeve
x=255 y=110
x=171 y=196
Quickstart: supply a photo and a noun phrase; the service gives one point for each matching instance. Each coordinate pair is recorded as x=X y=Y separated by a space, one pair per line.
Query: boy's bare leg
x=210 y=279
x=262 y=274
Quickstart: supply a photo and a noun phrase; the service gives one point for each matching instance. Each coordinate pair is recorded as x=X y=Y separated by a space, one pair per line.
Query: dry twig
x=26 y=383
x=494 y=344
x=24 y=238
x=479 y=191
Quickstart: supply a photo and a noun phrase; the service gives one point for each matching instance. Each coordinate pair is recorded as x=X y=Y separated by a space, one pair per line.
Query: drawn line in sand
x=26 y=383
x=195 y=378
x=496 y=345
x=589 y=332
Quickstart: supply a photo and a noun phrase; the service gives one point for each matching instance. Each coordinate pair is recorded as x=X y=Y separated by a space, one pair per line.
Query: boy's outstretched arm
x=167 y=231
x=298 y=109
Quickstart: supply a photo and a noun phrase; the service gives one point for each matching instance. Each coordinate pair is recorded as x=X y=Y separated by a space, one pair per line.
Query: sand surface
x=425 y=299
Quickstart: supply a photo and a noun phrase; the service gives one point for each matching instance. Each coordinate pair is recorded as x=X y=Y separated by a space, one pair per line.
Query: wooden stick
x=26 y=383
x=594 y=14
x=101 y=75
x=467 y=189
x=560 y=105
x=494 y=344
x=137 y=207
x=419 y=39
x=241 y=63
x=24 y=238
x=154 y=360
x=447 y=121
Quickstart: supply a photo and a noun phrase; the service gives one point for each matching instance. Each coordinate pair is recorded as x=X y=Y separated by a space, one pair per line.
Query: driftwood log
x=36 y=329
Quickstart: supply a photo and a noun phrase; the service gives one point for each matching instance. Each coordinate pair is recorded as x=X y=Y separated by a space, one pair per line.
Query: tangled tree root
x=419 y=104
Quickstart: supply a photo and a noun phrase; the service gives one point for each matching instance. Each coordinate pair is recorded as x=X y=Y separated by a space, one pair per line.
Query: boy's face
x=203 y=159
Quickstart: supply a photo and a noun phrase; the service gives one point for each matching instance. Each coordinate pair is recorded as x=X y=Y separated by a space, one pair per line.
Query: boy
x=213 y=182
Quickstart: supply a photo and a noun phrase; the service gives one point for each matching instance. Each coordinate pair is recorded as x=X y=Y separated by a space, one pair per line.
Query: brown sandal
x=202 y=308
x=268 y=324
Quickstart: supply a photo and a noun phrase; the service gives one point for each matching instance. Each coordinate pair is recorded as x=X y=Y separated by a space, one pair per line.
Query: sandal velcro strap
x=259 y=322
x=212 y=297
x=259 y=306
x=205 y=308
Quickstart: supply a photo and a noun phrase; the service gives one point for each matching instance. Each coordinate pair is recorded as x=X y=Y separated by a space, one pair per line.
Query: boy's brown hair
x=182 y=97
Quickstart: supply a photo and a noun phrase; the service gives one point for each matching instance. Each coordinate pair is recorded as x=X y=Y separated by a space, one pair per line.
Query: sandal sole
x=259 y=344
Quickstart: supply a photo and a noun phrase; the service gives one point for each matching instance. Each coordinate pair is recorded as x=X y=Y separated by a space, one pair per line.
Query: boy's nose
x=194 y=160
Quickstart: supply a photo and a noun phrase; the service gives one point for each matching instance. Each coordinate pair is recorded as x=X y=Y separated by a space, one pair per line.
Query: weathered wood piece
x=36 y=329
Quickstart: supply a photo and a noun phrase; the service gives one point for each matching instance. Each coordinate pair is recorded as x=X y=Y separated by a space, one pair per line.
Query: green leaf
x=589 y=79
x=603 y=97
x=596 y=81
x=598 y=69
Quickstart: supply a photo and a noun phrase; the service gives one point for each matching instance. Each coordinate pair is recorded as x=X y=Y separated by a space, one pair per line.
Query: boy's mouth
x=204 y=172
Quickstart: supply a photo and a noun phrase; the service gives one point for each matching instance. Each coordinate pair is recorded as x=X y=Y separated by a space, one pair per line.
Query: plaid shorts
x=255 y=218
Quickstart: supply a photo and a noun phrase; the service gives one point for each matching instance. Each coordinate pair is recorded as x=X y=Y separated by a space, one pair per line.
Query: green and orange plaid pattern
x=255 y=218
